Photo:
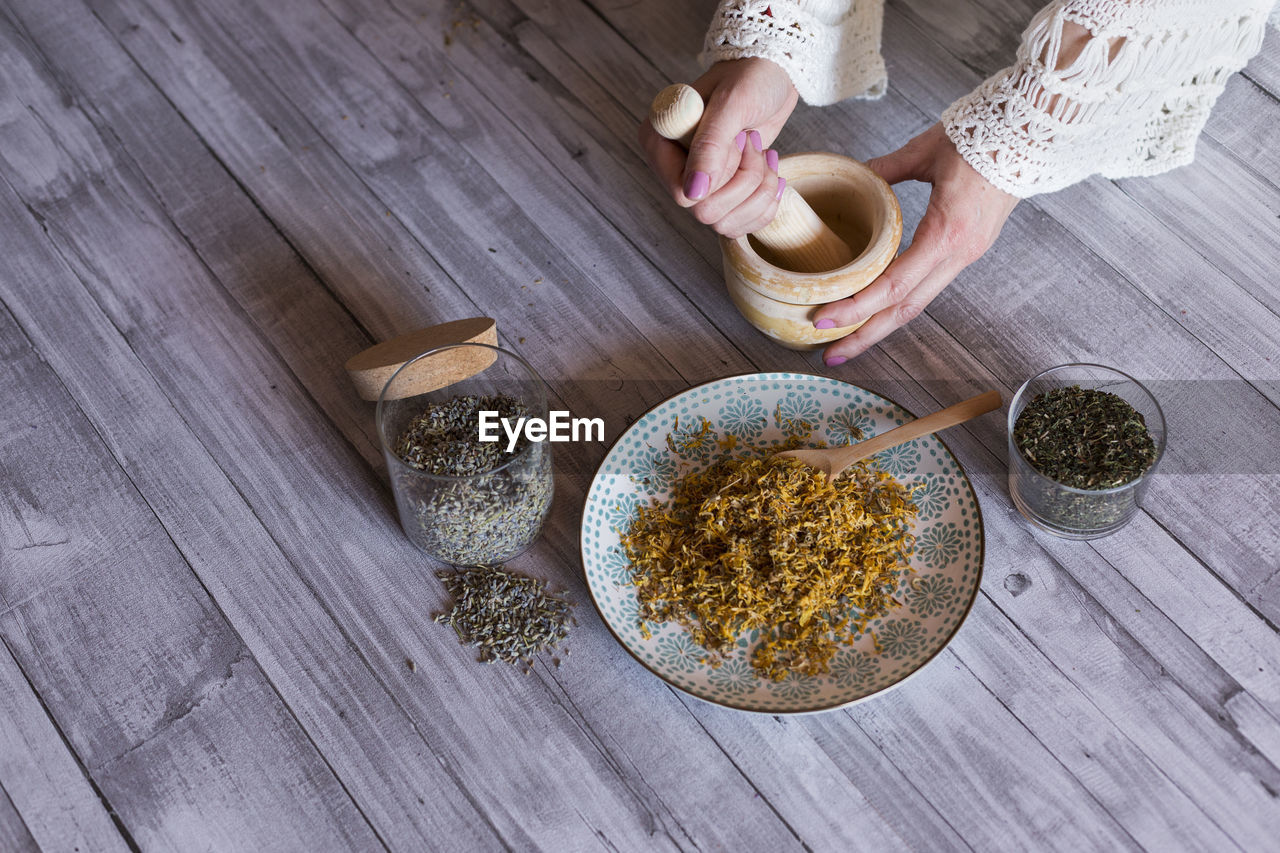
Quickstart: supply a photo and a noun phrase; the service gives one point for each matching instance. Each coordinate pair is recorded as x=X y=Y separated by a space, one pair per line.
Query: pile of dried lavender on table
x=509 y=616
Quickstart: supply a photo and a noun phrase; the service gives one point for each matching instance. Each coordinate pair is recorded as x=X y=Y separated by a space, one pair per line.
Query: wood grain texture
x=1264 y=69
x=56 y=802
x=207 y=208
x=14 y=834
x=201 y=520
x=124 y=611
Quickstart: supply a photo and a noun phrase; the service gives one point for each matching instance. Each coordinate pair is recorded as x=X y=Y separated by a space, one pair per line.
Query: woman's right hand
x=729 y=176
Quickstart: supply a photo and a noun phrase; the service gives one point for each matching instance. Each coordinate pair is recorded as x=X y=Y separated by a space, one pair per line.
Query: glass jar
x=1063 y=510
x=473 y=519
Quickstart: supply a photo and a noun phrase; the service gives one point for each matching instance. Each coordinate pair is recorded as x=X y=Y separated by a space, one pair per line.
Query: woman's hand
x=964 y=217
x=729 y=177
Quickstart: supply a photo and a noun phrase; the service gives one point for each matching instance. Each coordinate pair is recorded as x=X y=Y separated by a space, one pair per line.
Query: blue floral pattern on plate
x=693 y=439
x=621 y=510
x=930 y=594
x=939 y=545
x=797 y=415
x=616 y=565
x=796 y=688
x=744 y=418
x=929 y=495
x=655 y=470
x=733 y=677
x=901 y=638
x=681 y=652
x=900 y=461
x=762 y=411
x=852 y=668
x=849 y=425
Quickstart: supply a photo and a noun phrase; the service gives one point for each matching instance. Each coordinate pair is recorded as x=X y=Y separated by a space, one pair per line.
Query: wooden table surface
x=207 y=603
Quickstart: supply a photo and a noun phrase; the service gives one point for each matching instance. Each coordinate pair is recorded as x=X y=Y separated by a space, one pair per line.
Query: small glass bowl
x=1063 y=510
x=476 y=519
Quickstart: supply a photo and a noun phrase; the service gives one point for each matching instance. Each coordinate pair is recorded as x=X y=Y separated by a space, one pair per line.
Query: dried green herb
x=496 y=506
x=1084 y=438
x=509 y=616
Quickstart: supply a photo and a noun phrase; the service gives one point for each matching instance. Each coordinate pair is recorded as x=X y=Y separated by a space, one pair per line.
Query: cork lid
x=371 y=369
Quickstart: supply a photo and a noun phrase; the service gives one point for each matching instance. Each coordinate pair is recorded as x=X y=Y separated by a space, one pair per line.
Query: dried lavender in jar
x=480 y=503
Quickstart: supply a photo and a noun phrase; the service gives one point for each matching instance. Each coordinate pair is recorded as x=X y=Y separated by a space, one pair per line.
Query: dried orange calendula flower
x=771 y=544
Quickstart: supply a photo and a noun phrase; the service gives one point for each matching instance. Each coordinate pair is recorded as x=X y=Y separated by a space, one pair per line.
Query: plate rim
x=781 y=376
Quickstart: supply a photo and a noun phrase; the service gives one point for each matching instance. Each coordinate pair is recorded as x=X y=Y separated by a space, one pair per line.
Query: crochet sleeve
x=1132 y=102
x=829 y=48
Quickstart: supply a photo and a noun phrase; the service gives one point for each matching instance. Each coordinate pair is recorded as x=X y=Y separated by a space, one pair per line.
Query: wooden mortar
x=860 y=207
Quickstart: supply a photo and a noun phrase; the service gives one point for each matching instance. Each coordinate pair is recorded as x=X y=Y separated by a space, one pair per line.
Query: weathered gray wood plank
x=1225 y=212
x=14 y=835
x=121 y=610
x=1241 y=118
x=1264 y=69
x=795 y=772
x=39 y=776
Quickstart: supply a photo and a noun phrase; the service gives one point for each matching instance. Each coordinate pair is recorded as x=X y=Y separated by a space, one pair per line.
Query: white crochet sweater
x=1132 y=103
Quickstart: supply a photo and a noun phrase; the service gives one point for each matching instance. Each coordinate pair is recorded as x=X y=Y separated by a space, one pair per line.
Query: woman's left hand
x=964 y=217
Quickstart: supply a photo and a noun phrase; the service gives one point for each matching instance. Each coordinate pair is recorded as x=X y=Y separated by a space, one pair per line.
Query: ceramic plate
x=764 y=410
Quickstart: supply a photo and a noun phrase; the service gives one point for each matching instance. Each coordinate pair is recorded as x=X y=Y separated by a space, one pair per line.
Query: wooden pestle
x=797 y=236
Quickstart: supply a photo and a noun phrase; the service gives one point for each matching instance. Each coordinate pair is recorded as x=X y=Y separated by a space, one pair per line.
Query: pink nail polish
x=836 y=361
x=697 y=184
x=782 y=185
x=771 y=160
x=756 y=142
x=825 y=323
x=741 y=140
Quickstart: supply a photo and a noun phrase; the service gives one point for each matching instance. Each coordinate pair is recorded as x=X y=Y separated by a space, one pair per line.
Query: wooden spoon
x=797 y=236
x=833 y=461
